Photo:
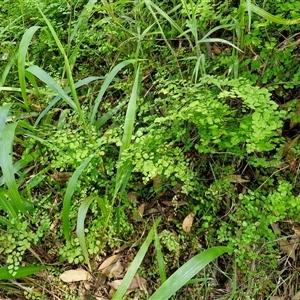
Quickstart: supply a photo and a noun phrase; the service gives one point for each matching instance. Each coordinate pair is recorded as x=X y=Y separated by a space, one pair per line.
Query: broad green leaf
x=269 y=16
x=6 y=144
x=248 y=4
x=108 y=79
x=7 y=68
x=4 y=109
x=68 y=195
x=78 y=84
x=135 y=265
x=122 y=172
x=6 y=205
x=30 y=91
x=67 y=67
x=166 y=16
x=5 y=221
x=187 y=271
x=51 y=83
x=217 y=40
x=159 y=256
x=101 y=121
x=26 y=39
x=20 y=273
x=80 y=223
x=80 y=227
x=151 y=5
x=20 y=164
x=102 y=205
x=83 y=18
x=233 y=25
x=32 y=80
x=130 y=114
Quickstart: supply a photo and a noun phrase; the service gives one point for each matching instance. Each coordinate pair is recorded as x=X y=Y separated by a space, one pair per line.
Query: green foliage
x=212 y=116
x=176 y=280
x=253 y=215
x=14 y=244
x=168 y=240
x=148 y=97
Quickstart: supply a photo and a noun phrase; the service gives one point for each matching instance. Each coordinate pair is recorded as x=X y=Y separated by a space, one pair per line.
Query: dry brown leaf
x=114 y=270
x=296 y=228
x=131 y=196
x=296 y=296
x=174 y=203
x=236 y=179
x=282 y=165
x=75 y=275
x=152 y=211
x=276 y=298
x=289 y=248
x=156 y=182
x=122 y=248
x=188 y=222
x=138 y=215
x=216 y=50
x=141 y=209
x=136 y=283
x=109 y=261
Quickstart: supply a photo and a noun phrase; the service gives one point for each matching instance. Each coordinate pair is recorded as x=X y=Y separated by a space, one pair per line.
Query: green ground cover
x=149 y=150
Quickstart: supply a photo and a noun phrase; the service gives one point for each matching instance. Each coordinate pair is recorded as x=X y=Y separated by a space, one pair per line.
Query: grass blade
x=233 y=25
x=78 y=84
x=7 y=68
x=7 y=134
x=21 y=272
x=80 y=223
x=159 y=256
x=108 y=79
x=80 y=228
x=269 y=16
x=3 y=115
x=5 y=222
x=248 y=4
x=217 y=40
x=68 y=195
x=53 y=85
x=167 y=17
x=6 y=206
x=32 y=80
x=187 y=271
x=6 y=143
x=101 y=121
x=26 y=39
x=30 y=91
x=68 y=68
x=122 y=172
x=135 y=265
x=83 y=18
x=20 y=164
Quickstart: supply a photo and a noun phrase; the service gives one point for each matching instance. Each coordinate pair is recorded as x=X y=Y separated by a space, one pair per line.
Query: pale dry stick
x=33 y=281
x=284 y=82
x=148 y=91
x=298 y=169
x=285 y=44
x=273 y=175
x=281 y=47
x=262 y=247
x=292 y=236
x=25 y=288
